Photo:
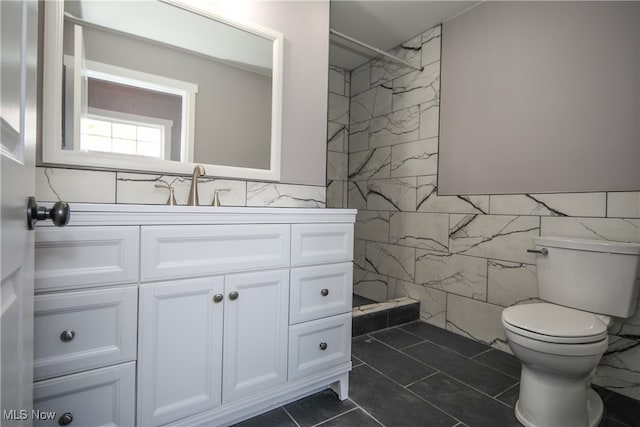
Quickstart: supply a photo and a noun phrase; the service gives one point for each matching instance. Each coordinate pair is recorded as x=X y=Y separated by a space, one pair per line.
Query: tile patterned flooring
x=420 y=375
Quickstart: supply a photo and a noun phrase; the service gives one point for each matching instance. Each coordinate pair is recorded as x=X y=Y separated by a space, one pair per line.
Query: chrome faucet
x=193 y=192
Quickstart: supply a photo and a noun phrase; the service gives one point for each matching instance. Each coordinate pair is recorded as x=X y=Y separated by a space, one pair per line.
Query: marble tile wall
x=463 y=257
x=90 y=186
x=338 y=137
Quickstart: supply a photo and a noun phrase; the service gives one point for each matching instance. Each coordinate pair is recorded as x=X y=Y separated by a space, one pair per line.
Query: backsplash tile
x=88 y=186
x=140 y=189
x=74 y=185
x=285 y=195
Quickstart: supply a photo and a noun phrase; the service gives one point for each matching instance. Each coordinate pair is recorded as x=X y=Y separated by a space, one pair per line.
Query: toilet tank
x=591 y=275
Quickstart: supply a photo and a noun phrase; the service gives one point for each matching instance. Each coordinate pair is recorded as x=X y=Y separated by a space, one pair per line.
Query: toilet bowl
x=559 y=349
x=560 y=342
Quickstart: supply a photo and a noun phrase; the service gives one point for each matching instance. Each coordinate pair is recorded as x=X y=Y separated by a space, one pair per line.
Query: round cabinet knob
x=323 y=346
x=67 y=335
x=324 y=292
x=233 y=296
x=218 y=297
x=65 y=419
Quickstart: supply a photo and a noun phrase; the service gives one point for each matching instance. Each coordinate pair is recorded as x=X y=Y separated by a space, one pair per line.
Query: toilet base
x=595 y=409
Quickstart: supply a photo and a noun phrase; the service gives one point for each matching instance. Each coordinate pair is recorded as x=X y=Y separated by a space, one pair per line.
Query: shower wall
x=463 y=257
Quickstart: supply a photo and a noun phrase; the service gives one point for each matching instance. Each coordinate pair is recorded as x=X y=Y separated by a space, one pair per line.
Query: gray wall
x=305 y=25
x=541 y=97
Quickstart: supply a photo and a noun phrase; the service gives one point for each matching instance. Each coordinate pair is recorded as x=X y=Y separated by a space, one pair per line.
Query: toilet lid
x=554 y=323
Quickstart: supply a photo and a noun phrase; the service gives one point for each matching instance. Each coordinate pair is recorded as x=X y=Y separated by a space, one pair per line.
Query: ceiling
x=384 y=25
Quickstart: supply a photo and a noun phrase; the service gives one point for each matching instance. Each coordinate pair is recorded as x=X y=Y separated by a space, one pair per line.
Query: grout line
x=290 y=416
x=481 y=353
x=411 y=391
x=355 y=408
x=507 y=389
x=444 y=373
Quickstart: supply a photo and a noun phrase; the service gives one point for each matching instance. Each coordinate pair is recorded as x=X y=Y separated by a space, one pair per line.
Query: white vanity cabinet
x=193 y=316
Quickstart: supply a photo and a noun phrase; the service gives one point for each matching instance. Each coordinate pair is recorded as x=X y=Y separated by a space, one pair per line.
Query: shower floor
x=374 y=316
x=360 y=300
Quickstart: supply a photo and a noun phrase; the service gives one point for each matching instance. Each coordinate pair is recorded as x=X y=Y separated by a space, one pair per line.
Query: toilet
x=560 y=342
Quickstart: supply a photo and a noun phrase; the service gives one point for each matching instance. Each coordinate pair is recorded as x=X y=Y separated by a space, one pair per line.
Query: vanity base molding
x=337 y=379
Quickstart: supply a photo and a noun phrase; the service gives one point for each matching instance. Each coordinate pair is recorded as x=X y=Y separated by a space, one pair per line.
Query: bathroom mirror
x=159 y=86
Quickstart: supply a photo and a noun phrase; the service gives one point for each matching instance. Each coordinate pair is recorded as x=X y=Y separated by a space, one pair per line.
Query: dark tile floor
x=419 y=375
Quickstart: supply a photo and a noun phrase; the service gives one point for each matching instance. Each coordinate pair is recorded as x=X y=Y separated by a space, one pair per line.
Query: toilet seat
x=554 y=324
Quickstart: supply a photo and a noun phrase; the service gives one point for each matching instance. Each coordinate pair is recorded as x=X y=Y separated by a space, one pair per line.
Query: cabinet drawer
x=80 y=330
x=188 y=251
x=102 y=397
x=80 y=257
x=320 y=291
x=321 y=243
x=318 y=345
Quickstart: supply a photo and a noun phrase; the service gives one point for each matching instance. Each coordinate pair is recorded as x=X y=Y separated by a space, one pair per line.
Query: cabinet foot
x=341 y=387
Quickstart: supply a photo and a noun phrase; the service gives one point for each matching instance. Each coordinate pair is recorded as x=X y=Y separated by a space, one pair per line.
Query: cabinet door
x=179 y=349
x=256 y=332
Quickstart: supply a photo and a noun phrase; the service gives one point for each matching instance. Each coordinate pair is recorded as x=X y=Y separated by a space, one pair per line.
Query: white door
x=256 y=332
x=17 y=170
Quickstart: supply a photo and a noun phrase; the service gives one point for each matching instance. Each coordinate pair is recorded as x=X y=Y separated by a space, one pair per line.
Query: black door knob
x=60 y=213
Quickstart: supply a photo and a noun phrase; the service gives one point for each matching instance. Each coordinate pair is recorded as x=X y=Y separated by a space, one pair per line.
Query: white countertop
x=125 y=214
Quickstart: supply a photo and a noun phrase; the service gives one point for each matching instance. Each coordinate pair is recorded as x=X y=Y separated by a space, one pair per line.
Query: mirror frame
x=53 y=154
